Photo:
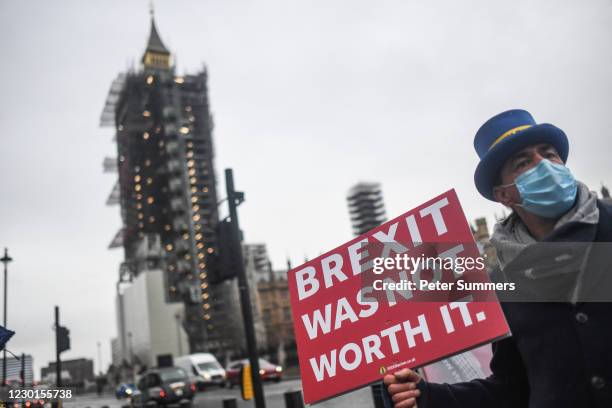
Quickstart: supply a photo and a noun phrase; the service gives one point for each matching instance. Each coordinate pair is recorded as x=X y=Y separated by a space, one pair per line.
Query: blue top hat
x=504 y=135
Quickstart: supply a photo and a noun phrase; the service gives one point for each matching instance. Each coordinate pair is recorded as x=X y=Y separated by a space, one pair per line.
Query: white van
x=204 y=367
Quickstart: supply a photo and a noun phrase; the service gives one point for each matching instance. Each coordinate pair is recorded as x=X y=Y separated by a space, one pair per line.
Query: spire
x=155 y=43
x=156 y=54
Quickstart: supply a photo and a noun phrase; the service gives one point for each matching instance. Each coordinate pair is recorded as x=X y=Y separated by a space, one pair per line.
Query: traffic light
x=63 y=339
x=223 y=263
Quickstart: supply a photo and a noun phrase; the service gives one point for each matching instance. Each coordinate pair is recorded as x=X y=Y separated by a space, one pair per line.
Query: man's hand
x=402 y=387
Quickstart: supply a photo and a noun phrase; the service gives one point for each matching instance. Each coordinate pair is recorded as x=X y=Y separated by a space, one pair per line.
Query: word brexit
x=332 y=268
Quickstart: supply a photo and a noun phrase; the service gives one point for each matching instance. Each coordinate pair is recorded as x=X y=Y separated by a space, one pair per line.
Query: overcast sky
x=308 y=98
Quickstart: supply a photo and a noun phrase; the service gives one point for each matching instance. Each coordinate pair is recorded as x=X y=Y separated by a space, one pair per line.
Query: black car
x=164 y=387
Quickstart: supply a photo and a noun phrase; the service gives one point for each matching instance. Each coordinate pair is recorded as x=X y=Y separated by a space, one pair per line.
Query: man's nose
x=537 y=158
x=534 y=159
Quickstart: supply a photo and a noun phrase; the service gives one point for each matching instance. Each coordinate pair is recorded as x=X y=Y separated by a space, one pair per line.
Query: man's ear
x=504 y=195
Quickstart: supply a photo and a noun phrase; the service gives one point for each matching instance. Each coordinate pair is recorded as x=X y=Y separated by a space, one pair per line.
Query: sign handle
x=382 y=398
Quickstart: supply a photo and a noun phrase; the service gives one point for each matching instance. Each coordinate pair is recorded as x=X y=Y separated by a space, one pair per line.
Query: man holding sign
x=407 y=293
x=560 y=352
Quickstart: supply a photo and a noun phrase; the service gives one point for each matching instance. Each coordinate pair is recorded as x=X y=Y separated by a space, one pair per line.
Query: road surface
x=213 y=398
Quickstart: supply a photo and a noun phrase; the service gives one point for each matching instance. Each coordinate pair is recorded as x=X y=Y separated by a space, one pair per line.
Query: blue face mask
x=548 y=189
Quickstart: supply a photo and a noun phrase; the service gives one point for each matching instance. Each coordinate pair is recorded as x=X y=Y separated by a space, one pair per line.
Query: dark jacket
x=559 y=355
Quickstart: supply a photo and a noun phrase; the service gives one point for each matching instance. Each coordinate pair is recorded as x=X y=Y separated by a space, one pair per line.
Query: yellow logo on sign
x=246 y=385
x=382 y=370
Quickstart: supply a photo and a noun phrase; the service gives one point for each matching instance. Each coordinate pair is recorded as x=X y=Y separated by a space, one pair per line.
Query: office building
x=14 y=366
x=276 y=313
x=75 y=373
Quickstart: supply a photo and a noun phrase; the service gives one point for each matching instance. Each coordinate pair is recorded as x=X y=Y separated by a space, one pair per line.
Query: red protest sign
x=350 y=330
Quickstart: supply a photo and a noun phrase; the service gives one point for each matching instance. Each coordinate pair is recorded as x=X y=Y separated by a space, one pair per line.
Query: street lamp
x=234 y=199
x=99 y=358
x=130 y=345
x=5 y=260
x=177 y=316
x=129 y=334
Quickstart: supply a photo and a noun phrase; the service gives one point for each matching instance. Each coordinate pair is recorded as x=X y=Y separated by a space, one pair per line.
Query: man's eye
x=521 y=164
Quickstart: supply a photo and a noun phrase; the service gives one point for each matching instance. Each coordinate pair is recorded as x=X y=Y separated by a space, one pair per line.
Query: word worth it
x=353 y=354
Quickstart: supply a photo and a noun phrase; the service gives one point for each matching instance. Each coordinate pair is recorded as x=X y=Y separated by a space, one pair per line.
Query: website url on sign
x=400 y=364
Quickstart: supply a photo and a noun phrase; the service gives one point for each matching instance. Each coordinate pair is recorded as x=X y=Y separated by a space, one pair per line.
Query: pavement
x=213 y=398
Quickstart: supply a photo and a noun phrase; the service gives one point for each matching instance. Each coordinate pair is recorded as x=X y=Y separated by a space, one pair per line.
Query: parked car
x=267 y=371
x=165 y=387
x=125 y=390
x=203 y=367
